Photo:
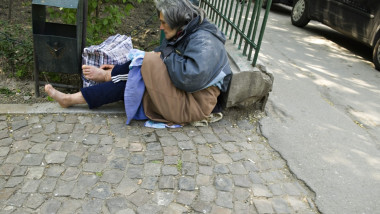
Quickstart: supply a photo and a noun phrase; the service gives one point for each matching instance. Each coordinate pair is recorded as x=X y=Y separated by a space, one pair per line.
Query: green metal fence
x=241 y=21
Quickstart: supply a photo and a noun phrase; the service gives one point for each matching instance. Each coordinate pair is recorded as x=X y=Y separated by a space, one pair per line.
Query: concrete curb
x=54 y=108
x=250 y=86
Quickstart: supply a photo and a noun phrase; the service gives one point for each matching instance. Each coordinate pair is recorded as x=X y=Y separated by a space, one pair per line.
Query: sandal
x=214 y=117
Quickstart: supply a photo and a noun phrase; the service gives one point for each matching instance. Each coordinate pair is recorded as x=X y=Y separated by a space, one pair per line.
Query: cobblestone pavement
x=68 y=163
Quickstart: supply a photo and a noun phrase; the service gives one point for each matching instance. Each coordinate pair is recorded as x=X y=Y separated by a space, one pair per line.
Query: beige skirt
x=163 y=102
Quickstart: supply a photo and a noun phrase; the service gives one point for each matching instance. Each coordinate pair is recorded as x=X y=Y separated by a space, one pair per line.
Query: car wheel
x=376 y=54
x=299 y=13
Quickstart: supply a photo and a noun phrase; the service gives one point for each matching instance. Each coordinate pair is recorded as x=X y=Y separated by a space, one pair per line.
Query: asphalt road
x=324 y=112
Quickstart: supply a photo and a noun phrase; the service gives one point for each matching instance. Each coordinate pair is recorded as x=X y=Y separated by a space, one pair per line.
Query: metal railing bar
x=224 y=17
x=234 y=19
x=245 y=24
x=239 y=21
x=262 y=30
x=228 y=16
x=251 y=31
x=241 y=33
x=221 y=6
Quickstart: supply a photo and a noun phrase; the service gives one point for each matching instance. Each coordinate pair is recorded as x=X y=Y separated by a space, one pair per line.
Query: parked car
x=264 y=4
x=286 y=2
x=357 y=19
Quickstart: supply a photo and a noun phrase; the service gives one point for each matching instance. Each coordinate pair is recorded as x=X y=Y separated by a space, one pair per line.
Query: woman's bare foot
x=58 y=96
x=65 y=100
x=96 y=74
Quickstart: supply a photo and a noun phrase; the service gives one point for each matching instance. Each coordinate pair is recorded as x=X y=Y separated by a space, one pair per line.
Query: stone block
x=250 y=86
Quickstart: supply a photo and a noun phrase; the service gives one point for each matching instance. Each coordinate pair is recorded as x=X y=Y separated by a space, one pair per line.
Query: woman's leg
x=64 y=100
x=103 y=93
x=95 y=96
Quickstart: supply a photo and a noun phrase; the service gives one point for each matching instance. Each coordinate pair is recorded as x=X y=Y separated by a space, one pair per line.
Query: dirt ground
x=142 y=25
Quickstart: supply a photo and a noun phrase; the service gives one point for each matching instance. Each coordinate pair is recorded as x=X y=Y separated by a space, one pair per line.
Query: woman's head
x=176 y=13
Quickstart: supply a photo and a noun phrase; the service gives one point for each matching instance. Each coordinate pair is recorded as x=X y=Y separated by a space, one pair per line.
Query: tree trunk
x=98 y=8
x=10 y=9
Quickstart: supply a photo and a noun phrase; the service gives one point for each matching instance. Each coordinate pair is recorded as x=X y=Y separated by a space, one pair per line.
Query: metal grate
x=241 y=22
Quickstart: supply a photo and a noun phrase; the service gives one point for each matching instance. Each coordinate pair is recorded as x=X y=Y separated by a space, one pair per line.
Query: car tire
x=299 y=13
x=376 y=54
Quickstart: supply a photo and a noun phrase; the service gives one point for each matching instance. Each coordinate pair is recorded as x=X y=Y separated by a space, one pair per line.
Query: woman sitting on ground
x=182 y=79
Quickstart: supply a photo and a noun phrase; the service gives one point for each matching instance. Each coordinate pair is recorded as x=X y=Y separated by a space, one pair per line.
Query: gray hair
x=178 y=13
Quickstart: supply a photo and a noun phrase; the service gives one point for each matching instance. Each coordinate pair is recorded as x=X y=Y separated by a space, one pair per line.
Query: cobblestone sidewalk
x=69 y=163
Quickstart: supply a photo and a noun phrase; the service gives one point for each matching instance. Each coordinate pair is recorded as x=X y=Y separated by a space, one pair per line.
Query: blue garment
x=135 y=88
x=103 y=93
x=160 y=125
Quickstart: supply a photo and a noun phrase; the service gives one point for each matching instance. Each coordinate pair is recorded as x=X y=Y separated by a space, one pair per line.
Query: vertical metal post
x=206 y=3
x=39 y=18
x=220 y=9
x=215 y=15
x=238 y=25
x=84 y=34
x=257 y=50
x=257 y=19
x=225 y=13
x=236 y=11
x=36 y=77
x=85 y=13
x=244 y=25
x=251 y=31
x=229 y=16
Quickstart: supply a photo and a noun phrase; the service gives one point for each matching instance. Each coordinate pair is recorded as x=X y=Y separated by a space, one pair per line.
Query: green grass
x=179 y=165
x=6 y=91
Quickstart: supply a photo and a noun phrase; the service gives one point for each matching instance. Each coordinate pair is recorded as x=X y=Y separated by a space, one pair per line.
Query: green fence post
x=234 y=14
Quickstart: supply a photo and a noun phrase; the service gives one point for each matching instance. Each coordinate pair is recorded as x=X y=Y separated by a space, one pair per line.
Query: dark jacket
x=196 y=57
